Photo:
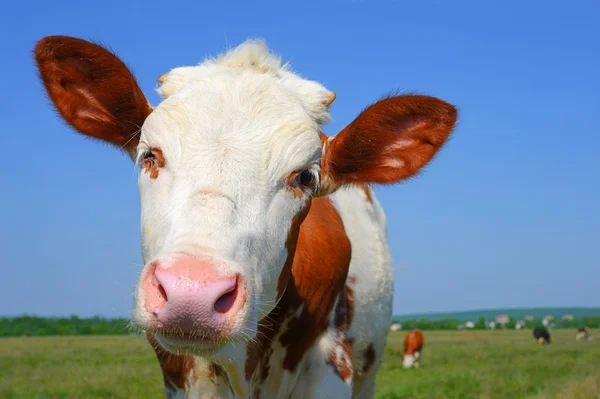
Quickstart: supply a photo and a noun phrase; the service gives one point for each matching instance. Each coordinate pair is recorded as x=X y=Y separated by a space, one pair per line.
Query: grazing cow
x=583 y=334
x=413 y=345
x=541 y=335
x=267 y=272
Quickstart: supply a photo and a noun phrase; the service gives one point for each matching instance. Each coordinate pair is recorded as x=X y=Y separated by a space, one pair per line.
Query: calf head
x=411 y=360
x=229 y=162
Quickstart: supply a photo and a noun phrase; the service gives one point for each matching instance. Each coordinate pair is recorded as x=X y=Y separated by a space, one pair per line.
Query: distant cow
x=583 y=334
x=413 y=344
x=541 y=335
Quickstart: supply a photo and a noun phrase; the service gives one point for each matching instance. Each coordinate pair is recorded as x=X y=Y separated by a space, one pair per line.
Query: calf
x=541 y=335
x=413 y=345
x=583 y=334
x=267 y=272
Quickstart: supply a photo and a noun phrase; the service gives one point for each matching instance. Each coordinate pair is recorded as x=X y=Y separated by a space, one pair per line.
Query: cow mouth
x=193 y=343
x=188 y=343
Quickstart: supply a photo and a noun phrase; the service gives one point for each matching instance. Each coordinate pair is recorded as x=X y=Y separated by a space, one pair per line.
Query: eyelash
x=307 y=180
x=144 y=155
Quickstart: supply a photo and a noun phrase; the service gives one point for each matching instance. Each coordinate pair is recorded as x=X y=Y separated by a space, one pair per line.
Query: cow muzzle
x=188 y=303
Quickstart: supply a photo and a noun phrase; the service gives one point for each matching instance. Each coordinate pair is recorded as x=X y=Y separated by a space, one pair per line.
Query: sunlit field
x=456 y=364
x=494 y=364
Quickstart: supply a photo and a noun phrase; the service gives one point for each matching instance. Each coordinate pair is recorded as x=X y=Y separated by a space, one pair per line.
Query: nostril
x=226 y=301
x=162 y=292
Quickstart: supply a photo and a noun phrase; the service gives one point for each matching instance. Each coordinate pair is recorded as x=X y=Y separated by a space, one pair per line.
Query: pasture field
x=456 y=364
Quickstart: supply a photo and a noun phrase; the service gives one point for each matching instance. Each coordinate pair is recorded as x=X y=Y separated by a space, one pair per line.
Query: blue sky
x=506 y=216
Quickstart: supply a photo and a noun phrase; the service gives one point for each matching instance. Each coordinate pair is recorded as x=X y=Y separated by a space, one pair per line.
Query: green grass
x=456 y=364
x=493 y=364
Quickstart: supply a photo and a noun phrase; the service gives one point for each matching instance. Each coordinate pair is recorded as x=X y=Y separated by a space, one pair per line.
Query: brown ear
x=92 y=89
x=388 y=142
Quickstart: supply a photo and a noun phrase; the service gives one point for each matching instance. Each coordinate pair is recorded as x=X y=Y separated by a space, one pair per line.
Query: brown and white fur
x=413 y=346
x=267 y=269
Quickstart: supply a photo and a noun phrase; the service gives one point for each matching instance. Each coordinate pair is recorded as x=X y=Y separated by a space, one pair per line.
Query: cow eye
x=307 y=178
x=151 y=160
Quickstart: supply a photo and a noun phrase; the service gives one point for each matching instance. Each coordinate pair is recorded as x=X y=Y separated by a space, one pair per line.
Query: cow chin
x=193 y=345
x=203 y=342
x=188 y=345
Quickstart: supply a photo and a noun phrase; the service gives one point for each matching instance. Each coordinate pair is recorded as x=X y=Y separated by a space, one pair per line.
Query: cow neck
x=319 y=269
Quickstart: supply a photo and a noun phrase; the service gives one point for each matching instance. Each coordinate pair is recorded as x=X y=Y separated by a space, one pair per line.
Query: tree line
x=44 y=326
x=483 y=324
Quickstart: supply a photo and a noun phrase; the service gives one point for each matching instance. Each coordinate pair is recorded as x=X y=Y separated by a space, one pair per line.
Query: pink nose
x=191 y=296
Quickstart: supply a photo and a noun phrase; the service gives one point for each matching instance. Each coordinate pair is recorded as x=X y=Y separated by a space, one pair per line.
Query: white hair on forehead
x=253 y=56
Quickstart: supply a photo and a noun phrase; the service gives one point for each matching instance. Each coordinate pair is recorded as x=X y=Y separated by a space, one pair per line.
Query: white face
x=408 y=361
x=227 y=160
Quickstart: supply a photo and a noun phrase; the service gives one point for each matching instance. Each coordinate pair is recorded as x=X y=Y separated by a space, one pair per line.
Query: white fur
x=318 y=380
x=232 y=130
x=231 y=135
x=252 y=55
x=371 y=268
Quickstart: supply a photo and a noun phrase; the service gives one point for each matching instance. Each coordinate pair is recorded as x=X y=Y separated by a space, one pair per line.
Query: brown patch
x=215 y=372
x=211 y=372
x=319 y=271
x=92 y=89
x=259 y=352
x=341 y=360
x=369 y=359
x=297 y=191
x=413 y=342
x=319 y=261
x=176 y=368
x=291 y=245
x=341 y=356
x=367 y=189
x=389 y=141
x=152 y=165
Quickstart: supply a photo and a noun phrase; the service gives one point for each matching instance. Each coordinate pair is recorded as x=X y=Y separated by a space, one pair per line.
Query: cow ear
x=389 y=141
x=92 y=89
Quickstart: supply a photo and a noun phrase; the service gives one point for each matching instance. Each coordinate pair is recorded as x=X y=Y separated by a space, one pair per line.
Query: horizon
x=499 y=310
x=505 y=216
